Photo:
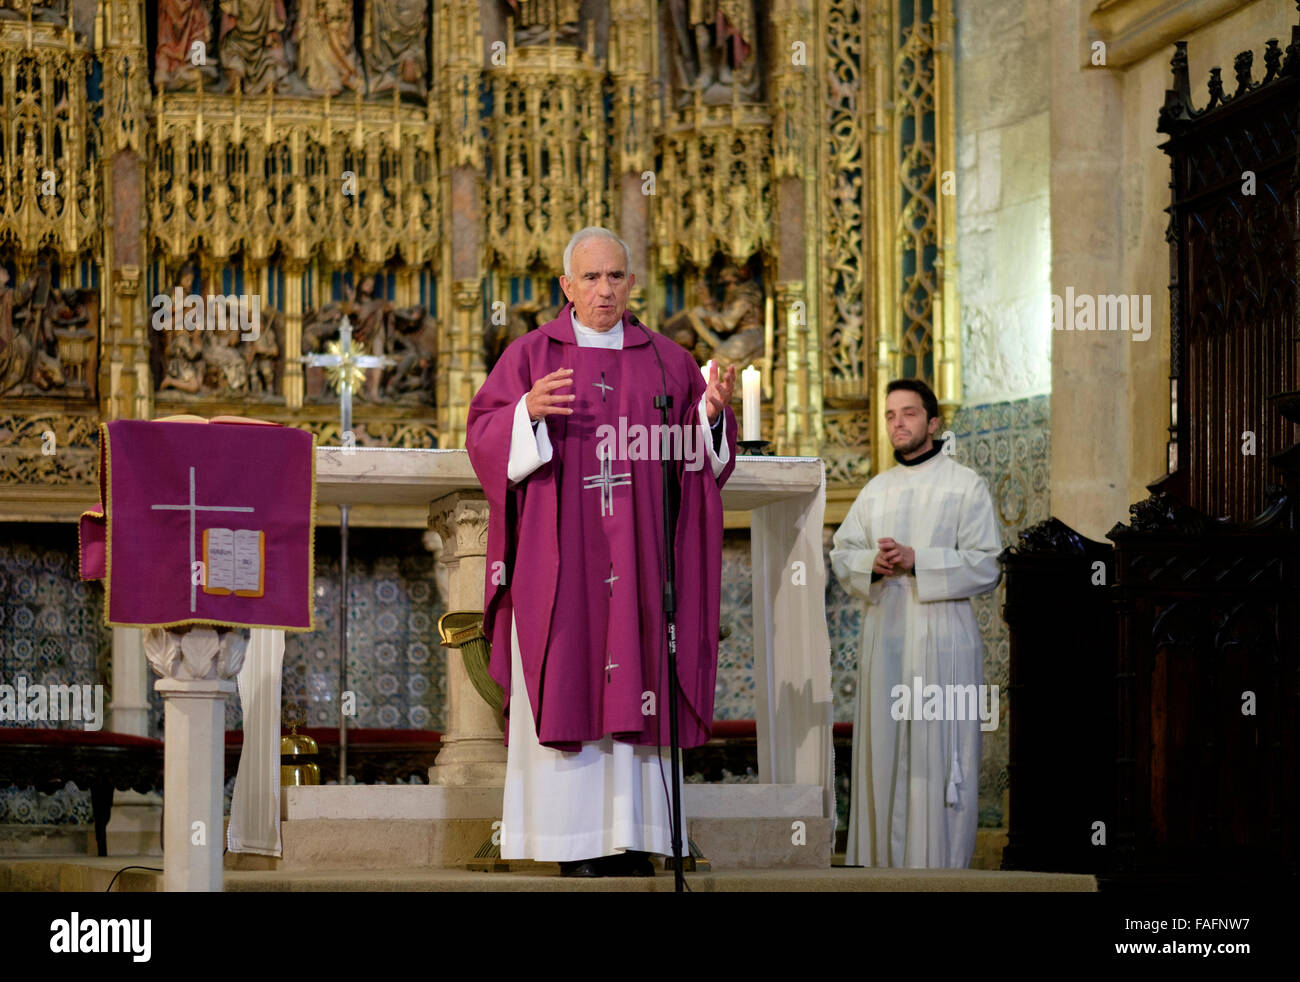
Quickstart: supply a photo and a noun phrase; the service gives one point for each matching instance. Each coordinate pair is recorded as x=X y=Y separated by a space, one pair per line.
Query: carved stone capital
x=128 y=280
x=461 y=520
x=467 y=294
x=788 y=291
x=196 y=653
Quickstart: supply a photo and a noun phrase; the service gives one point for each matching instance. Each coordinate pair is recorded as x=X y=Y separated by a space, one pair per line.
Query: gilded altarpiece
x=193 y=195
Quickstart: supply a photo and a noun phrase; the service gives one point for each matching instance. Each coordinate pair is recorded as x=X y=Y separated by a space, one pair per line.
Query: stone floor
x=82 y=873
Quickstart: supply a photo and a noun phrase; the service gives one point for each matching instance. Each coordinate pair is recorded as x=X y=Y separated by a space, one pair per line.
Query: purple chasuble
x=581 y=537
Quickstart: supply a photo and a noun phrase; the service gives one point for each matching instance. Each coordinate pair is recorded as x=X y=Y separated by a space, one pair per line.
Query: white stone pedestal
x=193 y=785
x=198 y=665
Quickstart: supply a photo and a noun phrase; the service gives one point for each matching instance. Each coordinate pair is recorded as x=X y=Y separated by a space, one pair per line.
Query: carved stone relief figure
x=49 y=11
x=263 y=357
x=73 y=327
x=252 y=43
x=183 y=24
x=179 y=351
x=183 y=366
x=15 y=346
x=714 y=49
x=371 y=317
x=534 y=20
x=327 y=60
x=730 y=332
x=29 y=347
x=226 y=367
x=414 y=346
x=319 y=325
x=393 y=46
x=521 y=318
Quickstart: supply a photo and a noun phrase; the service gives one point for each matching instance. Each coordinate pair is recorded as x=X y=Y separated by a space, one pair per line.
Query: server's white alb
x=915 y=782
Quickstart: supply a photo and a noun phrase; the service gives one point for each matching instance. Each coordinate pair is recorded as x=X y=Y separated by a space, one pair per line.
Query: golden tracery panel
x=776 y=168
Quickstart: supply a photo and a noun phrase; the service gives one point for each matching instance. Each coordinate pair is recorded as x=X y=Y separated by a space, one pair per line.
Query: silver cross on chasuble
x=605 y=482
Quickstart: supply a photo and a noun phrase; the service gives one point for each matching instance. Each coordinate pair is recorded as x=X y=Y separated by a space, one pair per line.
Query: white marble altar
x=785 y=497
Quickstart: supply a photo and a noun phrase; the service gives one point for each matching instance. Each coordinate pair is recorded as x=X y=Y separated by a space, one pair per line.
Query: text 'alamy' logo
x=947 y=702
x=656 y=442
x=100 y=935
x=180 y=312
x=20 y=703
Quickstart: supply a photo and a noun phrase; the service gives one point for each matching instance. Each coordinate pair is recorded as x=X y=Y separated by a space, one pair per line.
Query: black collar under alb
x=936 y=449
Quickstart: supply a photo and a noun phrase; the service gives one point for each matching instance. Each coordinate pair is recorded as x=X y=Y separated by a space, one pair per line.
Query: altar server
x=918 y=542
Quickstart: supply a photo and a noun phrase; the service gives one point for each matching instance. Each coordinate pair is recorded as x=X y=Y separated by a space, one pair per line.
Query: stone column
x=630 y=43
x=464 y=348
x=198 y=666
x=292 y=383
x=473 y=741
x=796 y=371
x=125 y=386
x=1092 y=413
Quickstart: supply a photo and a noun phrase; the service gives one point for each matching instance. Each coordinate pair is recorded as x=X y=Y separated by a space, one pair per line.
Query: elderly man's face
x=600 y=283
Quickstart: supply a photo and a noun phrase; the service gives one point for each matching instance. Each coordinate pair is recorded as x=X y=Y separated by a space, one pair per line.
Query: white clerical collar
x=604 y=337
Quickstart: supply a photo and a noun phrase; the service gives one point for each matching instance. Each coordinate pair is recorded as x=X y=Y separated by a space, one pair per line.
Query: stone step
x=391 y=843
x=424 y=801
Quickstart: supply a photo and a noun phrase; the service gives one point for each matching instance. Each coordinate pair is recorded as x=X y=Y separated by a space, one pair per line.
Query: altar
x=793 y=803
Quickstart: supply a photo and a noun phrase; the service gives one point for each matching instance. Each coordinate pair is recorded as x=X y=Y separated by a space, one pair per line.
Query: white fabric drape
x=255 y=808
x=792 y=649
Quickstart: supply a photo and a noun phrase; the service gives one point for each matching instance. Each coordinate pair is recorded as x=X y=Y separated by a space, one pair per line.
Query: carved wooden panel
x=1232 y=229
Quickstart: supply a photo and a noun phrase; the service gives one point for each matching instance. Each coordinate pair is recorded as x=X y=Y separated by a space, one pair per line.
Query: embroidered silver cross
x=606 y=482
x=603 y=387
x=611 y=579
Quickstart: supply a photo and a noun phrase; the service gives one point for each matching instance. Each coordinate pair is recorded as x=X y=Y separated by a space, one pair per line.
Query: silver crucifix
x=347 y=363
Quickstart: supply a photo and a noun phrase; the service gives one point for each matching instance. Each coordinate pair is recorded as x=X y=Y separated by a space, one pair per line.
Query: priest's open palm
x=718 y=395
x=542 y=400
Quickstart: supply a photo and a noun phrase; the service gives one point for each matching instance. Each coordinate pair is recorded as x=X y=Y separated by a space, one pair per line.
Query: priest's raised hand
x=718 y=395
x=542 y=399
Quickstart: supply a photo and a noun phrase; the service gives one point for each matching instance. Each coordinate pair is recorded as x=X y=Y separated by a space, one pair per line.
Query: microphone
x=663 y=403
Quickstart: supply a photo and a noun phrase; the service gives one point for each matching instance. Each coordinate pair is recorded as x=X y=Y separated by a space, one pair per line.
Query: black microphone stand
x=663 y=403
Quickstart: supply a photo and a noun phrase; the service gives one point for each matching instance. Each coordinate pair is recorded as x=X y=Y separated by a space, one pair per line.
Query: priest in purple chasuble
x=566 y=441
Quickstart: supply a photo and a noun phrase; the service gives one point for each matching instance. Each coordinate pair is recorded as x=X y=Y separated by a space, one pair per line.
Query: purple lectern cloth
x=580 y=568
x=215 y=475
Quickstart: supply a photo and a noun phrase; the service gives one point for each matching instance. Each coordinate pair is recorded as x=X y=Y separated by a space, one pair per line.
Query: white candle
x=705 y=371
x=751 y=386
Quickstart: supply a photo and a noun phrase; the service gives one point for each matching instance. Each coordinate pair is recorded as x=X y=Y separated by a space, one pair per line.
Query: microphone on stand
x=663 y=403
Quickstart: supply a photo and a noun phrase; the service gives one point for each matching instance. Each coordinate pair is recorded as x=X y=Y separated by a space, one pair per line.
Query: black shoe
x=585 y=868
x=629 y=863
